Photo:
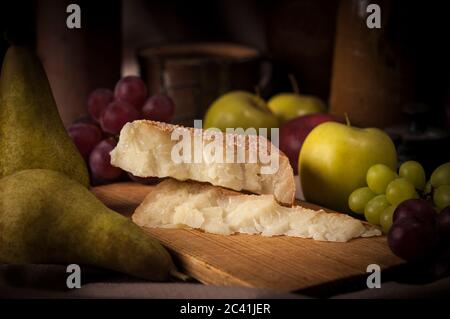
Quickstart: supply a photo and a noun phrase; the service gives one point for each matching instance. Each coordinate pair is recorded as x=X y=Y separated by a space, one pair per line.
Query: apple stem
x=294 y=83
x=257 y=91
x=347 y=119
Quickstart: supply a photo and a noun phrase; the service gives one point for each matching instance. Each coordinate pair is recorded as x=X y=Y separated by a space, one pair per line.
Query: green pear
x=32 y=134
x=46 y=217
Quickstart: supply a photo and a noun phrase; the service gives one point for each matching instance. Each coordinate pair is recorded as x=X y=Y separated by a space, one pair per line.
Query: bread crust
x=283 y=185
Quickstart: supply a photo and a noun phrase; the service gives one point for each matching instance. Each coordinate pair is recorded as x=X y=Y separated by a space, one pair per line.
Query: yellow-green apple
x=287 y=106
x=334 y=160
x=294 y=132
x=239 y=109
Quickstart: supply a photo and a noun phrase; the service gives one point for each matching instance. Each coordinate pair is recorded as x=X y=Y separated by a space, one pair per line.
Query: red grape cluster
x=419 y=232
x=109 y=111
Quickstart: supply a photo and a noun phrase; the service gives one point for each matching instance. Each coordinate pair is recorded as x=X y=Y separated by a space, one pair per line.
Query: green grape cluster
x=386 y=189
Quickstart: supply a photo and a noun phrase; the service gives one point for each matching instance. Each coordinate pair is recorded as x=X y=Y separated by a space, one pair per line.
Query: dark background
x=299 y=34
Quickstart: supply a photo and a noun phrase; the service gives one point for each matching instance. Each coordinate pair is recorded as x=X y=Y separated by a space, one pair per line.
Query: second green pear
x=46 y=217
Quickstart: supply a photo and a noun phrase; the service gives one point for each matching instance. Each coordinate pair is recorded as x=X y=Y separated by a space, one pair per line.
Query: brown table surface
x=48 y=281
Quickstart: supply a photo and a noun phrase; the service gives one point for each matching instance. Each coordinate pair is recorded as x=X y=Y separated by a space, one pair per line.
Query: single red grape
x=85 y=136
x=100 y=162
x=116 y=115
x=418 y=209
x=159 y=107
x=97 y=102
x=131 y=89
x=411 y=239
x=86 y=119
x=444 y=224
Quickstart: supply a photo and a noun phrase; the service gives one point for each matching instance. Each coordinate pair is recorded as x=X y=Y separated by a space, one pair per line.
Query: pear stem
x=347 y=119
x=178 y=275
x=294 y=83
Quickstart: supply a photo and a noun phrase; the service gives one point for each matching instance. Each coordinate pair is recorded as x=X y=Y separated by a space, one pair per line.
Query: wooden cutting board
x=279 y=263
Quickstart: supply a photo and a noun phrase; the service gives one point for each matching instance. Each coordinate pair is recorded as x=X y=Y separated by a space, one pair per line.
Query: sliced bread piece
x=174 y=204
x=148 y=148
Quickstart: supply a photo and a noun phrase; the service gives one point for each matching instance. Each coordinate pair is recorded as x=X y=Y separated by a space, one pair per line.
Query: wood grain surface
x=280 y=263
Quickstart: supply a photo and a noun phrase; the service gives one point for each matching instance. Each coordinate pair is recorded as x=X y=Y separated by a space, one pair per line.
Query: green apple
x=334 y=160
x=239 y=109
x=287 y=106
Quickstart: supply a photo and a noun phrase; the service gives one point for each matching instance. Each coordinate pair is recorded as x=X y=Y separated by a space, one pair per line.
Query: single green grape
x=414 y=172
x=359 y=198
x=441 y=196
x=399 y=190
x=374 y=208
x=441 y=175
x=386 y=218
x=378 y=177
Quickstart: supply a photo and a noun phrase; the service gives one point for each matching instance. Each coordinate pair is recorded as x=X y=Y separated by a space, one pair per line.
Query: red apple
x=294 y=132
